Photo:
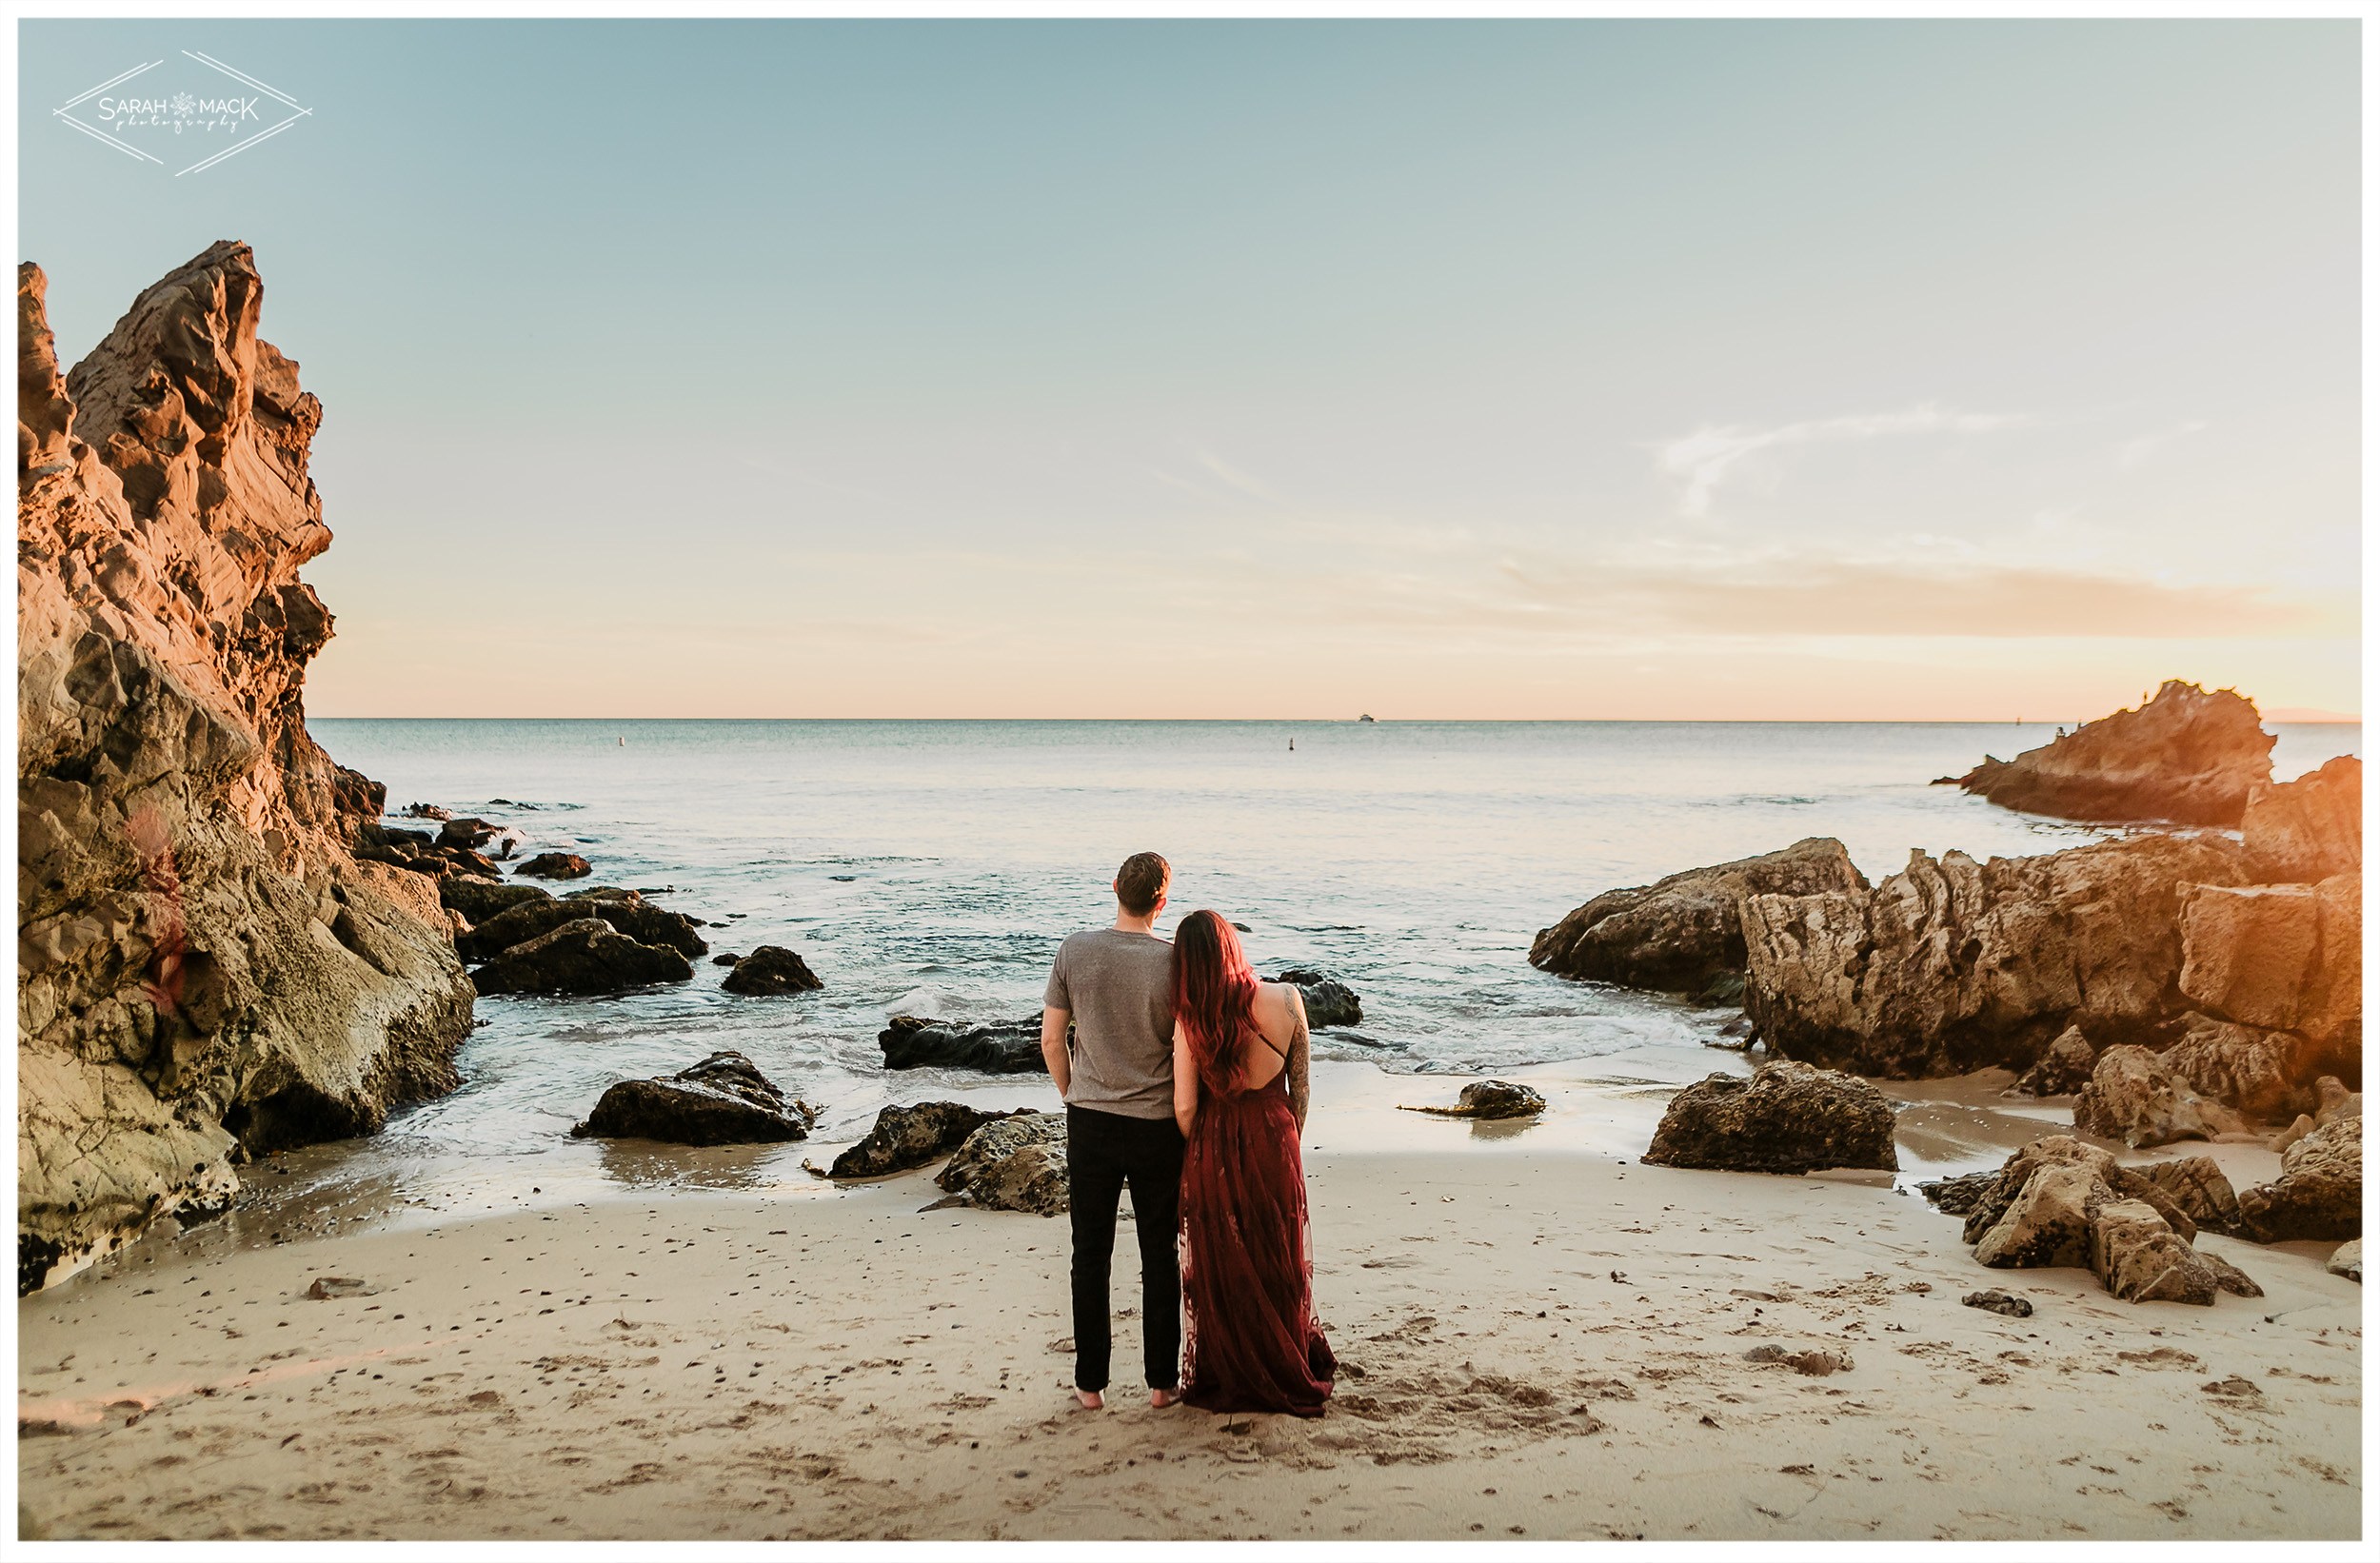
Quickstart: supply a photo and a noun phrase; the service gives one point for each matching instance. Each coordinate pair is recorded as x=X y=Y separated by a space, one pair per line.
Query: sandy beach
x=1542 y=1339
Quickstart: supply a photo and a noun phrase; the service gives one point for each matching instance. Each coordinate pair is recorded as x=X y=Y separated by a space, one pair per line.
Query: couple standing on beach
x=1186 y=1082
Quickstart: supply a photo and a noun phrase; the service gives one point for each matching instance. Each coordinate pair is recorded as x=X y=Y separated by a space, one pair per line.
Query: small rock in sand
x=1491 y=1099
x=328 y=1287
x=1997 y=1301
x=2348 y=1260
x=723 y=1101
x=1789 y=1117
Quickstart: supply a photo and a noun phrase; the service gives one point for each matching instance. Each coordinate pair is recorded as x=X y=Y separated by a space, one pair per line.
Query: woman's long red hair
x=1214 y=998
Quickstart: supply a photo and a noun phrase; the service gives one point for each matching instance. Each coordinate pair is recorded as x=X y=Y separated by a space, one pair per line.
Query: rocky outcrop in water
x=1789 y=1117
x=1684 y=934
x=723 y=1101
x=532 y=918
x=2189 y=755
x=1328 y=1001
x=1010 y=1048
x=555 y=866
x=1017 y=1163
x=206 y=970
x=479 y=900
x=771 y=969
x=582 y=955
x=1955 y=965
x=911 y=1136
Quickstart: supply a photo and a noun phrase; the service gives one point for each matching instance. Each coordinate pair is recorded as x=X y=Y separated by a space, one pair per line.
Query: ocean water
x=931 y=868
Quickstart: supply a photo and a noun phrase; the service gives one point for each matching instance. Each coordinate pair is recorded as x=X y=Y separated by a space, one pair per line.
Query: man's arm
x=1300 y=1051
x=1054 y=1048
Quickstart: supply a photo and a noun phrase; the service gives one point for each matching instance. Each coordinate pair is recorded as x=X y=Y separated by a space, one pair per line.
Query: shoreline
x=680 y=1362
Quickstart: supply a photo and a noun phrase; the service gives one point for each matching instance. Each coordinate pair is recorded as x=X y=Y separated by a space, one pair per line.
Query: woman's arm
x=1185 y=1082
x=1301 y=1055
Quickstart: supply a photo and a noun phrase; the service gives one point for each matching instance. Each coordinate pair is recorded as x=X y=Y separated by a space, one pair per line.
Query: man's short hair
x=1140 y=881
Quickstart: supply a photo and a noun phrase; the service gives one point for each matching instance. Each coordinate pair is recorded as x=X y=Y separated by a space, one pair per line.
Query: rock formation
x=1491 y=1099
x=723 y=1101
x=2197 y=1186
x=771 y=969
x=206 y=971
x=1955 y=965
x=911 y=1136
x=1328 y=1001
x=1789 y=1117
x=2319 y=1194
x=2188 y=756
x=1684 y=934
x=1011 y=1048
x=1017 y=1163
x=2302 y=831
x=582 y=956
x=2063 y=1068
x=555 y=866
x=2061 y=1202
x=2346 y=1261
x=2133 y=1096
x=540 y=913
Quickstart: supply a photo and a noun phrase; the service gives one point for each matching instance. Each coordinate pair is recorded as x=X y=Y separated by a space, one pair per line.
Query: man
x=1114 y=985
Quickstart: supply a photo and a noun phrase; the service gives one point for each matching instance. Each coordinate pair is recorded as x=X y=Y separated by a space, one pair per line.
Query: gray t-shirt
x=1119 y=987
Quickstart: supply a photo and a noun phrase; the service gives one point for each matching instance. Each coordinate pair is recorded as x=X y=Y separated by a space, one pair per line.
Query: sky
x=1736 y=370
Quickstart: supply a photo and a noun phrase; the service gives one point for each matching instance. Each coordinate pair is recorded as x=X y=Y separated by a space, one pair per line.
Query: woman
x=1240 y=1094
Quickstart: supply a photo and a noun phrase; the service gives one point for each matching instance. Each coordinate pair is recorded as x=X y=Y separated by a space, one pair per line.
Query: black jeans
x=1105 y=1153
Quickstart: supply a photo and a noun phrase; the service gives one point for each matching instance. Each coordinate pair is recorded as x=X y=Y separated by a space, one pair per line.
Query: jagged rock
x=723 y=1101
x=1493 y=1099
x=1789 y=1117
x=202 y=962
x=2348 y=1260
x=602 y=892
x=2251 y=1071
x=636 y=918
x=478 y=900
x=1012 y=1048
x=911 y=1136
x=1996 y=1301
x=771 y=969
x=2063 y=1068
x=1329 y=1001
x=584 y=955
x=468 y=832
x=2135 y=1098
x=1958 y=1196
x=2060 y=1202
x=426 y=811
x=2198 y=1186
x=2140 y=1258
x=2048 y=1224
x=2319 y=1194
x=2284 y=957
x=2188 y=756
x=1017 y=1163
x=1952 y=966
x=2336 y=1100
x=1683 y=934
x=2055 y=1151
x=555 y=866
x=2303 y=831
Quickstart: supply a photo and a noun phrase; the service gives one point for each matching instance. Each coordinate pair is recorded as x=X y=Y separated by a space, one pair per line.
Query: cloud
x=1704 y=458
x=2133 y=452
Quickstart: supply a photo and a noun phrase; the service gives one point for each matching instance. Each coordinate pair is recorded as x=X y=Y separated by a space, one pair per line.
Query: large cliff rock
x=1953 y=966
x=2188 y=756
x=2301 y=831
x=1684 y=933
x=205 y=971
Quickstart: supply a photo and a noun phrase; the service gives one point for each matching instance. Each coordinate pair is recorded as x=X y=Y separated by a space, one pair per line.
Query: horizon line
x=2327 y=719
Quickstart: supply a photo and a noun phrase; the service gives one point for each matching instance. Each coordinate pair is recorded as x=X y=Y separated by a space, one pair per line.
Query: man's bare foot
x=1089 y=1399
x=1160 y=1399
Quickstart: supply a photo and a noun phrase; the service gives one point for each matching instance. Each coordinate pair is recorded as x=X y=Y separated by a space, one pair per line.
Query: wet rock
x=555 y=866
x=2063 y=1068
x=911 y=1136
x=2307 y=830
x=602 y=892
x=1012 y=1048
x=2198 y=1186
x=1954 y=965
x=1683 y=934
x=426 y=811
x=1329 y=1001
x=468 y=832
x=2189 y=755
x=1958 y=1196
x=2135 y=1098
x=2252 y=1071
x=1491 y=1099
x=2319 y=1194
x=2348 y=1260
x=1789 y=1117
x=725 y=958
x=585 y=956
x=1996 y=1301
x=771 y=969
x=1017 y=1163
x=723 y=1101
x=209 y=961
x=479 y=900
x=638 y=920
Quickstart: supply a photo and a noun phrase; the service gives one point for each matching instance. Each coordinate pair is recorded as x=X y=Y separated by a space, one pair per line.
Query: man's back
x=1118 y=987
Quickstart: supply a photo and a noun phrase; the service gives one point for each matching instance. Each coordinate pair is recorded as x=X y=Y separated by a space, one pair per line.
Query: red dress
x=1247 y=1260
